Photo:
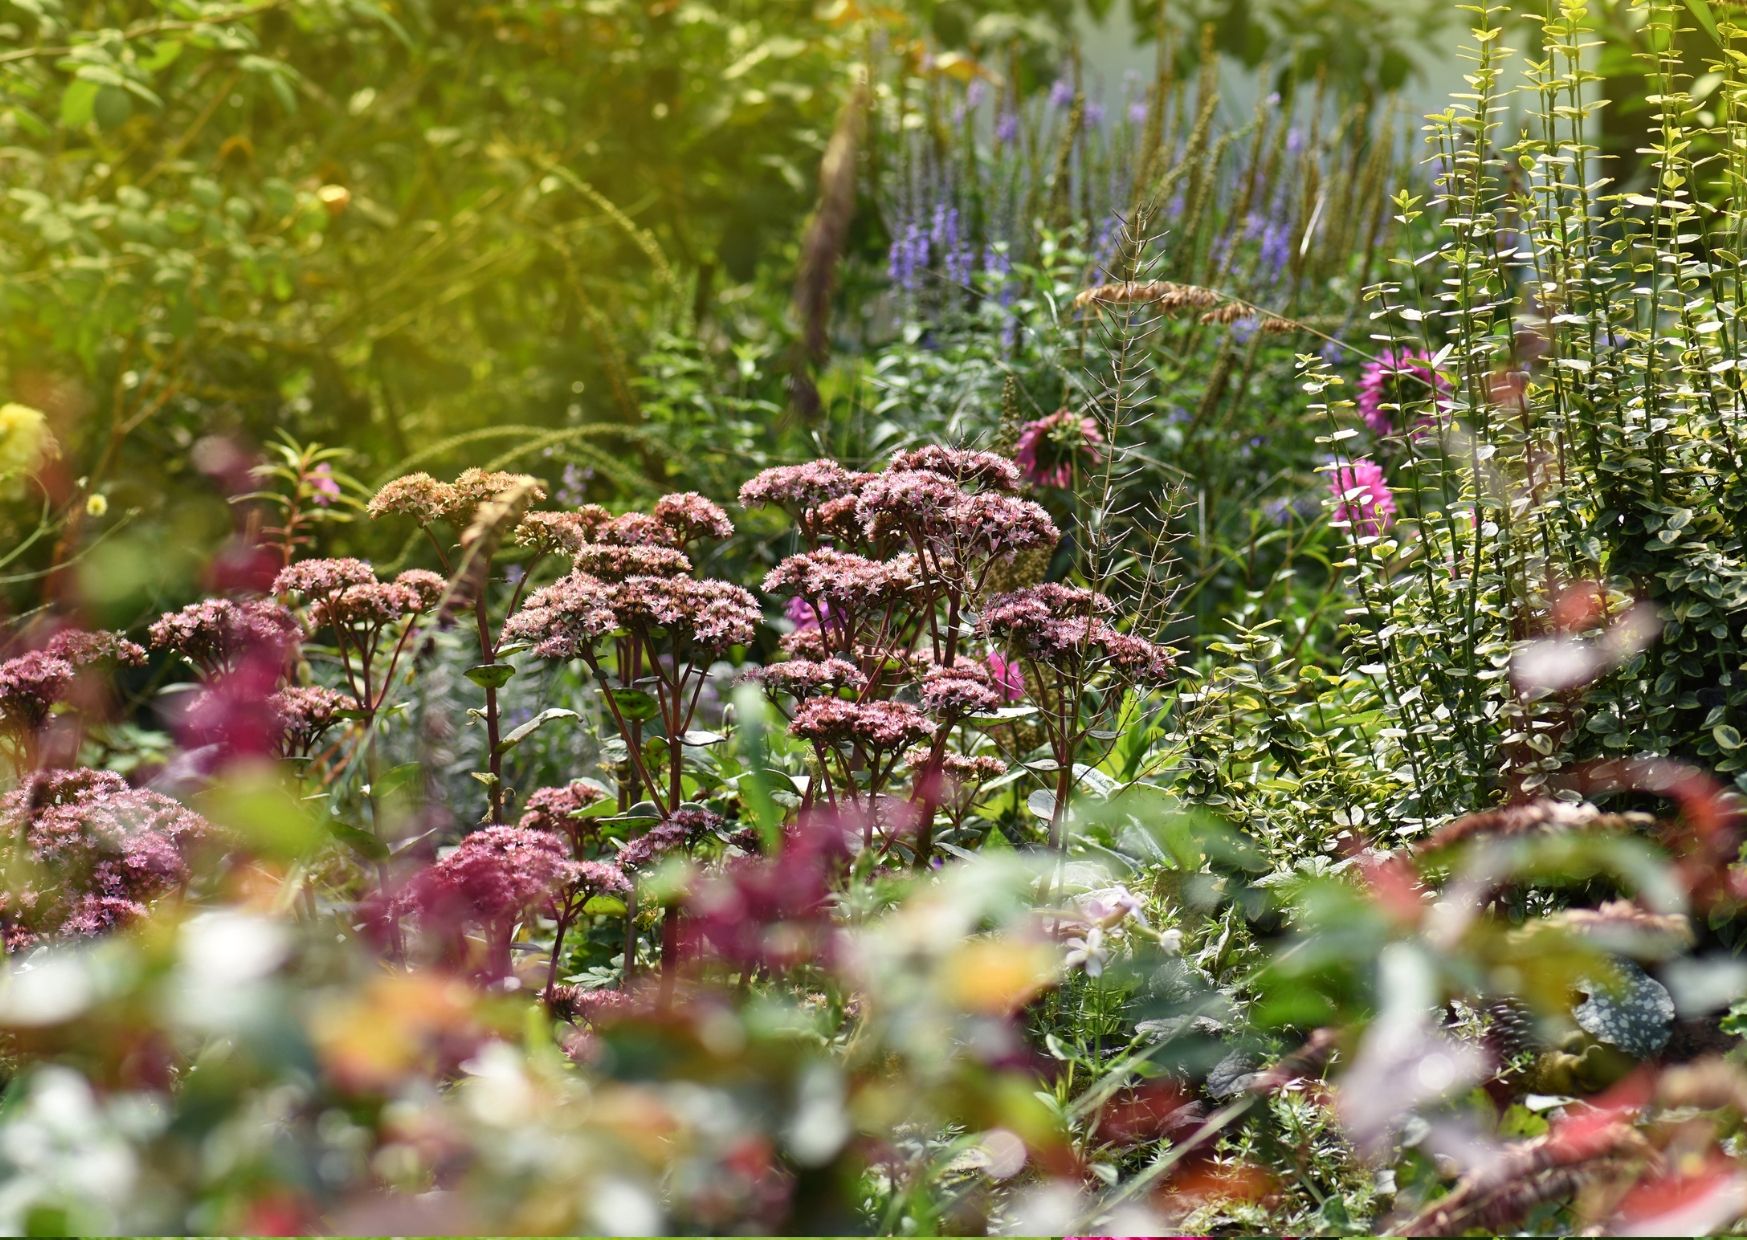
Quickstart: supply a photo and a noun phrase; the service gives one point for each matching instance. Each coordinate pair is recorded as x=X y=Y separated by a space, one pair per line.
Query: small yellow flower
x=96 y=504
x=25 y=441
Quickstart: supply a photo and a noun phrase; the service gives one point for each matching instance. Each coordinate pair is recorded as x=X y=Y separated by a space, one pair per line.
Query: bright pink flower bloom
x=325 y=488
x=1403 y=378
x=1009 y=679
x=1051 y=447
x=1362 y=498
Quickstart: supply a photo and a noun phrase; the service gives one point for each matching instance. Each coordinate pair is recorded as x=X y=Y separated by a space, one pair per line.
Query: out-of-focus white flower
x=1088 y=951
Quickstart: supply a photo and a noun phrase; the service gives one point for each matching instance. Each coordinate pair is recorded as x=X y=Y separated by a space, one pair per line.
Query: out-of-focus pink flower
x=1362 y=498
x=1403 y=379
x=236 y=712
x=1009 y=679
x=1050 y=448
x=324 y=487
x=774 y=911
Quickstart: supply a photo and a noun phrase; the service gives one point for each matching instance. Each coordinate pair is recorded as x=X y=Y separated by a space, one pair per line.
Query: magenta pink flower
x=1050 y=448
x=803 y=614
x=1008 y=676
x=1398 y=379
x=324 y=487
x=1363 y=500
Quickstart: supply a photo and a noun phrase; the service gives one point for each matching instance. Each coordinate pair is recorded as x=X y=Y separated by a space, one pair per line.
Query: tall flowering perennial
x=1065 y=640
x=956 y=534
x=371 y=622
x=467 y=522
x=86 y=853
x=893 y=566
x=1052 y=449
x=649 y=632
x=1363 y=500
x=1397 y=380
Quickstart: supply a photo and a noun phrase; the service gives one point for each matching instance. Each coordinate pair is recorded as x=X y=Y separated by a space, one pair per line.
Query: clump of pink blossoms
x=92 y=853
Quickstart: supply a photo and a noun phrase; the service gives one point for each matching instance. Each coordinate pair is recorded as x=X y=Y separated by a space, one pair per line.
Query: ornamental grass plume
x=1363 y=501
x=1052 y=449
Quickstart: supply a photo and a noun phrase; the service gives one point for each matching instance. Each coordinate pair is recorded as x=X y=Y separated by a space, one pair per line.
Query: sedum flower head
x=550 y=809
x=83 y=648
x=880 y=726
x=418 y=496
x=304 y=713
x=565 y=619
x=616 y=562
x=216 y=633
x=690 y=516
x=315 y=578
x=964 y=466
x=960 y=690
x=800 y=678
x=797 y=487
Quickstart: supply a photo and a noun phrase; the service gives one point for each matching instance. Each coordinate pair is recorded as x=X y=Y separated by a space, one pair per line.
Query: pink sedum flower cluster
x=93 y=853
